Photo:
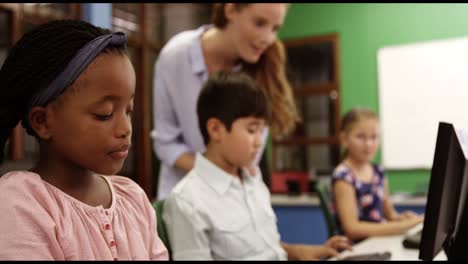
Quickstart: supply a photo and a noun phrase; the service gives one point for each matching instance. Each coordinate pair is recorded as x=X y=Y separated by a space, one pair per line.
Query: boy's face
x=242 y=144
x=90 y=123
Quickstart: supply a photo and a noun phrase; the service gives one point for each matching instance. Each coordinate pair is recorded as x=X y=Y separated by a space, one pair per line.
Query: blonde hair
x=353 y=117
x=270 y=75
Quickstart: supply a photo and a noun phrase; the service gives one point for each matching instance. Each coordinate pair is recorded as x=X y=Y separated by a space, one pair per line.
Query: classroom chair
x=159 y=207
x=323 y=190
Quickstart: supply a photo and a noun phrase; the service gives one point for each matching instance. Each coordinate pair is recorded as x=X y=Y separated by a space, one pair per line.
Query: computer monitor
x=446 y=214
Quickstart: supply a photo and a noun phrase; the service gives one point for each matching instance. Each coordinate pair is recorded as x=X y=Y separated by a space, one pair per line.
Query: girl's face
x=90 y=123
x=362 y=140
x=253 y=28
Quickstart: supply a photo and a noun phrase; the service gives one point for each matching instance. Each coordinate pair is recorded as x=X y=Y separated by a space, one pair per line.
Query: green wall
x=364 y=28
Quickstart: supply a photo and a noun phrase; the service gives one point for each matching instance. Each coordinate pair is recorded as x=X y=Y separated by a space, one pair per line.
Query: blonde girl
x=361 y=202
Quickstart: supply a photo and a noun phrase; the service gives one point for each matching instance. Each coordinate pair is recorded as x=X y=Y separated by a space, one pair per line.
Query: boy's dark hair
x=227 y=97
x=34 y=62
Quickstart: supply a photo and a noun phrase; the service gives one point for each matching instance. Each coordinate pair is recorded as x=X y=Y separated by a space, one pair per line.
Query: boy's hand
x=310 y=252
x=339 y=243
x=315 y=252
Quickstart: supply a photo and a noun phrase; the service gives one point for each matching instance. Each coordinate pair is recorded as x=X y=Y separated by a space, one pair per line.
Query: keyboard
x=412 y=240
x=386 y=255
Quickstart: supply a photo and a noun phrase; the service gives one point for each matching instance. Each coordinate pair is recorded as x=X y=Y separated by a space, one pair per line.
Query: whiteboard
x=419 y=85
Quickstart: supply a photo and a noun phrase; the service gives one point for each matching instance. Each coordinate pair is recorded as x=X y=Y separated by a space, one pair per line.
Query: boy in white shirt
x=221 y=210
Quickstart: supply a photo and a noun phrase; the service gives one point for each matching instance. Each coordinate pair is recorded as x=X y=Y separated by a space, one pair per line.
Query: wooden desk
x=389 y=243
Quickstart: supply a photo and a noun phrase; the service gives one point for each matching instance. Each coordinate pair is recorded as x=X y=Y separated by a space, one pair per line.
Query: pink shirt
x=40 y=222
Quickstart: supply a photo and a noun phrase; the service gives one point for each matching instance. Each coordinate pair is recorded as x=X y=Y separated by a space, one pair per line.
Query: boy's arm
x=186 y=230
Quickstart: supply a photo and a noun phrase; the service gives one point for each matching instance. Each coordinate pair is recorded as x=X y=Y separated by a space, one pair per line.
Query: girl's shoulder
x=24 y=179
x=342 y=172
x=129 y=197
x=123 y=182
x=125 y=187
x=379 y=169
x=25 y=189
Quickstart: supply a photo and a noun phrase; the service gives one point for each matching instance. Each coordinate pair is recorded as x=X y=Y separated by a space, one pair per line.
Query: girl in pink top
x=72 y=86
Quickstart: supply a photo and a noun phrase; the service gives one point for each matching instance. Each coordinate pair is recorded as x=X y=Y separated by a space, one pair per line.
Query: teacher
x=242 y=37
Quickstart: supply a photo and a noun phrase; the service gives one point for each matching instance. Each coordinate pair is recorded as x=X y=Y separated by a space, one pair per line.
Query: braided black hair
x=33 y=63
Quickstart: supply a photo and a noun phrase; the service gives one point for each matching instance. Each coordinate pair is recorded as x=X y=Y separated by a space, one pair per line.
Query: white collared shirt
x=211 y=215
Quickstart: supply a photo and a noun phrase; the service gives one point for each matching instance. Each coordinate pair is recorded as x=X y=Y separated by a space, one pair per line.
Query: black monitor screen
x=443 y=218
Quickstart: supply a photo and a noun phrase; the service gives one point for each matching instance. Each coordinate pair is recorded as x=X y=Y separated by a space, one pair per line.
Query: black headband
x=73 y=69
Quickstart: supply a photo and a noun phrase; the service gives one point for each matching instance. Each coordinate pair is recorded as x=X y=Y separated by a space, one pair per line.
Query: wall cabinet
x=313 y=71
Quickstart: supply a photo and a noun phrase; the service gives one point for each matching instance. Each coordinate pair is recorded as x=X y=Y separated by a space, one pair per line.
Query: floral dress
x=369 y=195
